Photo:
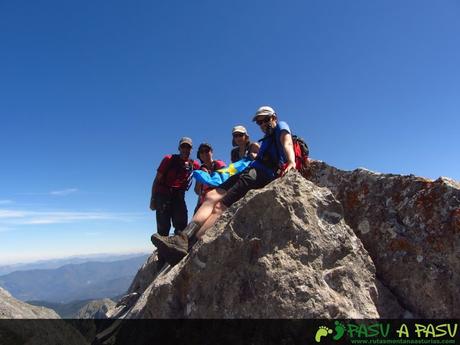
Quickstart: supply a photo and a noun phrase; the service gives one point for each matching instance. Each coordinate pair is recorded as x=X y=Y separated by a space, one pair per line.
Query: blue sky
x=94 y=93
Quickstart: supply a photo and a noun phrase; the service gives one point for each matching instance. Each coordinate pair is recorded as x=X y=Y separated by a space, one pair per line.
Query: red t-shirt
x=176 y=172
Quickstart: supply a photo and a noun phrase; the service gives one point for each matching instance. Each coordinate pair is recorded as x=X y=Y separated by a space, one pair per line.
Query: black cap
x=202 y=145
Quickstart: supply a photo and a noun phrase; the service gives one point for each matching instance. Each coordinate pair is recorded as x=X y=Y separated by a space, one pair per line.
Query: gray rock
x=145 y=275
x=411 y=228
x=43 y=327
x=97 y=309
x=11 y=308
x=284 y=251
x=287 y=251
x=141 y=281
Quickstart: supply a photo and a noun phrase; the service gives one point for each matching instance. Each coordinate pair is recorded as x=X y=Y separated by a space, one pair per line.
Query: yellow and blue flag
x=218 y=177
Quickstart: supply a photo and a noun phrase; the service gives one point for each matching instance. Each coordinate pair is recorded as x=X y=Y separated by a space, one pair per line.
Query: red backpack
x=301 y=153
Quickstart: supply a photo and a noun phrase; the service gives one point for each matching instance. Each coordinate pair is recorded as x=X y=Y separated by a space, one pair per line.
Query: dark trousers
x=171 y=208
x=238 y=185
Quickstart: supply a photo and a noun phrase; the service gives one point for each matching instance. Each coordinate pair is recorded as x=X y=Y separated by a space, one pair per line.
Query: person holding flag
x=208 y=166
x=274 y=159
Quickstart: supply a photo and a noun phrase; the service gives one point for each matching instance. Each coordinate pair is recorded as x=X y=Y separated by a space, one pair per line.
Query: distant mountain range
x=90 y=280
x=64 y=310
x=56 y=263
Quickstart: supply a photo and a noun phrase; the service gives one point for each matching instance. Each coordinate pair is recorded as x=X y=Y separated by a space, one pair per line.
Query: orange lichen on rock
x=437 y=243
x=401 y=244
x=426 y=202
x=352 y=199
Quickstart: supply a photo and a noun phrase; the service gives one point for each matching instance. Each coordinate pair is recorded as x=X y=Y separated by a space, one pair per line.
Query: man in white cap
x=275 y=158
x=168 y=190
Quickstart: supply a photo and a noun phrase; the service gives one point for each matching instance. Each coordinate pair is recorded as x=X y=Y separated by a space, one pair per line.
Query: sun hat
x=239 y=129
x=264 y=111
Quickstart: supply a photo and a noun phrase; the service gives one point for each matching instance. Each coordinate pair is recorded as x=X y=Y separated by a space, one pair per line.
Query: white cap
x=239 y=129
x=264 y=111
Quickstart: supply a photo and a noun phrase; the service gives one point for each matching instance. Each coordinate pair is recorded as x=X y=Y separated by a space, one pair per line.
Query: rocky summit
x=336 y=244
x=284 y=251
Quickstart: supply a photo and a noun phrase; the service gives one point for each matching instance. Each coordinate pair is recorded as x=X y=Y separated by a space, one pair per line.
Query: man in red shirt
x=168 y=190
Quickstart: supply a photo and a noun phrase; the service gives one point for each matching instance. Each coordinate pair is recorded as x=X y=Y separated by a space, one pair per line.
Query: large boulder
x=284 y=251
x=411 y=228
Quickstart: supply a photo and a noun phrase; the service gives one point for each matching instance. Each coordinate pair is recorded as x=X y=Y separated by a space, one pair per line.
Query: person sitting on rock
x=243 y=147
x=275 y=158
x=168 y=191
x=209 y=165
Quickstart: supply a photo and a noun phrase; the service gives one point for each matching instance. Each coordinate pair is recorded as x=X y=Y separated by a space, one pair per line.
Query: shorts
x=238 y=185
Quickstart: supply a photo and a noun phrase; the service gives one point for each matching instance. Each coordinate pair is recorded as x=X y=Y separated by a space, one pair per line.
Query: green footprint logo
x=322 y=332
x=339 y=330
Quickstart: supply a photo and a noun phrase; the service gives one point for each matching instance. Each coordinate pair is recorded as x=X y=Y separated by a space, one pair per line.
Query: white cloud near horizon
x=59 y=192
x=64 y=192
x=21 y=217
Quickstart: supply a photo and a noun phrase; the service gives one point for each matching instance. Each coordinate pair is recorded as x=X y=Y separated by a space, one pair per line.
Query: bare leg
x=206 y=209
x=176 y=247
x=218 y=209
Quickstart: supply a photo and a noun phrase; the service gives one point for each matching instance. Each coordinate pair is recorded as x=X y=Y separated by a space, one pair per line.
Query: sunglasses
x=185 y=146
x=205 y=151
x=238 y=135
x=265 y=120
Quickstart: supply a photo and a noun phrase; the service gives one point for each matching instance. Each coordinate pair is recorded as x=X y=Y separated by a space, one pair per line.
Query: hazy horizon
x=40 y=258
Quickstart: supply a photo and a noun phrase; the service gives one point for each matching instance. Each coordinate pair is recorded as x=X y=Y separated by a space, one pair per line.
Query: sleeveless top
x=235 y=154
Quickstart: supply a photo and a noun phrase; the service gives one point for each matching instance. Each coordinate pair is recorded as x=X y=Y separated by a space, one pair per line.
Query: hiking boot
x=172 y=249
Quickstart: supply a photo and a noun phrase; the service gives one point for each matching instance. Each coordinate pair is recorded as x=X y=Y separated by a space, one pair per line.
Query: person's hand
x=288 y=167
